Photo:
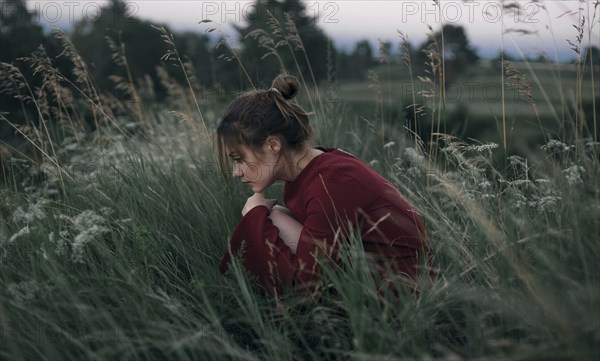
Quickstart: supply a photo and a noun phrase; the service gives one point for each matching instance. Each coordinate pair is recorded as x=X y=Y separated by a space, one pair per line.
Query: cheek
x=252 y=172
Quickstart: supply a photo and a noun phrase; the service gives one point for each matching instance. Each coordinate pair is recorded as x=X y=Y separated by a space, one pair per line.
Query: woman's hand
x=282 y=209
x=257 y=200
x=289 y=228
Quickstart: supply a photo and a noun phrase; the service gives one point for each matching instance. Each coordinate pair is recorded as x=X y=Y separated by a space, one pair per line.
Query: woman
x=327 y=192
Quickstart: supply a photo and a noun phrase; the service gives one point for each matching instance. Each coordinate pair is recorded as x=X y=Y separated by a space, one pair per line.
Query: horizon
x=528 y=32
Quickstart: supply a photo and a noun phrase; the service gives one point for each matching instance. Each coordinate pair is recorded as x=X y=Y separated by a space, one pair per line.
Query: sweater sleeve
x=263 y=253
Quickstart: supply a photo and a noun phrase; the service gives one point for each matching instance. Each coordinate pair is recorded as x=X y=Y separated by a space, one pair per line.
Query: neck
x=298 y=161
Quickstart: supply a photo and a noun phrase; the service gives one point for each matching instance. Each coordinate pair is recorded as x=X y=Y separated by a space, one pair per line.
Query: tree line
x=272 y=38
x=278 y=34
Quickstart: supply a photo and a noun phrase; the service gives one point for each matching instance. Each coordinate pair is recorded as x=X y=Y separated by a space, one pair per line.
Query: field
x=474 y=101
x=110 y=237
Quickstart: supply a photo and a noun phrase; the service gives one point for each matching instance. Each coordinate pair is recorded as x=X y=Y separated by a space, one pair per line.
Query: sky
x=538 y=26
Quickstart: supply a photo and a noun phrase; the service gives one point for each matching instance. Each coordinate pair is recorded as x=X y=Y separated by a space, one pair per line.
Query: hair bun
x=287 y=85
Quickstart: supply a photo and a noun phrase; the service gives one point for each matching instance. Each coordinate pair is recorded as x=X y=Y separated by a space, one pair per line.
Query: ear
x=273 y=144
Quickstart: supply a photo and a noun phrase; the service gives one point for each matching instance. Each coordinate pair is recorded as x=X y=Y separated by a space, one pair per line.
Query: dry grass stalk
x=120 y=59
x=405 y=48
x=374 y=78
x=173 y=54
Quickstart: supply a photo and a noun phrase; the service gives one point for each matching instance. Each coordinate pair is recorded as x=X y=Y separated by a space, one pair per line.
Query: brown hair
x=255 y=115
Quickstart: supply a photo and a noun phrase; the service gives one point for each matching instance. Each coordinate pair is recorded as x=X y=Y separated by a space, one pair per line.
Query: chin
x=259 y=188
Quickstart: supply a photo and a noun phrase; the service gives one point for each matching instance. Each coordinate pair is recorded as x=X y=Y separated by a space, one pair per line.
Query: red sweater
x=333 y=189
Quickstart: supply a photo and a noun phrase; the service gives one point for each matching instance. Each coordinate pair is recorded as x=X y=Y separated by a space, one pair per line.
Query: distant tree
x=144 y=46
x=226 y=71
x=592 y=56
x=19 y=33
x=458 y=55
x=362 y=59
x=195 y=48
x=343 y=65
x=269 y=41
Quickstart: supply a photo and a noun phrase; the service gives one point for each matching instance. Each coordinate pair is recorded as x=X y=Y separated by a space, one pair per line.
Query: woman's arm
x=289 y=228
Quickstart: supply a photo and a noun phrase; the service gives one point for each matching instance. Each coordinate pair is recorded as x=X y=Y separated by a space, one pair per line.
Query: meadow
x=111 y=233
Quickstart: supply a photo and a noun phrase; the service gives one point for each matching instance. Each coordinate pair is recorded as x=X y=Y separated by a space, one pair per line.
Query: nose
x=237 y=170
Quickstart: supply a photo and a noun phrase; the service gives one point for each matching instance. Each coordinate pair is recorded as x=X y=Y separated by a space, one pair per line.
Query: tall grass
x=110 y=242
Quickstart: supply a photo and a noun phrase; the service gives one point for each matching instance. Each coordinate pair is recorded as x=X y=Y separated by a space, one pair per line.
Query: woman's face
x=257 y=170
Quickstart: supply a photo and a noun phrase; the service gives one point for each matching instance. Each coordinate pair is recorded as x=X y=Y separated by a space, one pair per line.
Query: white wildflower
x=35 y=212
x=60 y=245
x=90 y=225
x=49 y=192
x=51 y=171
x=452 y=175
x=485 y=184
x=515 y=160
x=42 y=250
x=591 y=145
x=548 y=203
x=413 y=171
x=131 y=125
x=413 y=155
x=520 y=200
x=23 y=231
x=520 y=182
x=573 y=174
x=389 y=144
x=72 y=146
x=482 y=147
x=68 y=144
x=26 y=291
x=87 y=219
x=84 y=238
x=23 y=292
x=554 y=145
